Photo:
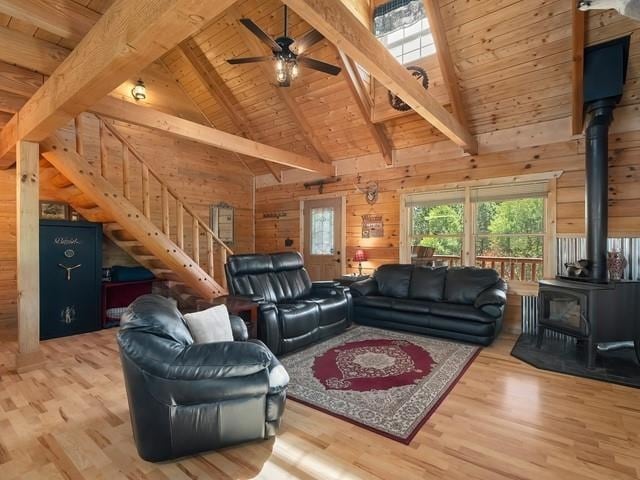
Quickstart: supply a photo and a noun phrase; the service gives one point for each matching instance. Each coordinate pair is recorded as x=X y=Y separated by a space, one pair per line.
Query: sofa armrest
x=492 y=299
x=364 y=288
x=269 y=326
x=328 y=289
x=219 y=360
x=325 y=284
x=238 y=328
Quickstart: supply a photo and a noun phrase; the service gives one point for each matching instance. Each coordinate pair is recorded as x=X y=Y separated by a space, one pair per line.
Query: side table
x=242 y=307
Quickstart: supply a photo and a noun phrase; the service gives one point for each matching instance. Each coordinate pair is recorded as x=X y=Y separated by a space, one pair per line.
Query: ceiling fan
x=287 y=52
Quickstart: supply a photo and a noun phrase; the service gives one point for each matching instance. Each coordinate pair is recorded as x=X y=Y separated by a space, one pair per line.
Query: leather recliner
x=461 y=303
x=293 y=311
x=186 y=398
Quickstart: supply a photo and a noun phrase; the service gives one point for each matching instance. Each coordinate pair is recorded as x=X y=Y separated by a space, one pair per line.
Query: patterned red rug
x=388 y=382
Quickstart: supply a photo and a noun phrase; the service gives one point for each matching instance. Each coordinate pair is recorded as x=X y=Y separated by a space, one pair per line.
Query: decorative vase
x=616 y=263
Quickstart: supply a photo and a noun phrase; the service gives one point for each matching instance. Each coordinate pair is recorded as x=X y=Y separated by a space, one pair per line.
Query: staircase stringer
x=88 y=179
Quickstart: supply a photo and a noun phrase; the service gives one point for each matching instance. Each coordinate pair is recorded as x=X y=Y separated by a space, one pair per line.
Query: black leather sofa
x=293 y=311
x=459 y=303
x=186 y=398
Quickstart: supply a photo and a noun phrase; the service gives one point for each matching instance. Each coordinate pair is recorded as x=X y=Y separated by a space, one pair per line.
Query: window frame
x=401 y=43
x=469 y=234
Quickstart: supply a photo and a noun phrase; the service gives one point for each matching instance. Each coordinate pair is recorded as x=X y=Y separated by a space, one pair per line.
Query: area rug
x=387 y=382
x=570 y=358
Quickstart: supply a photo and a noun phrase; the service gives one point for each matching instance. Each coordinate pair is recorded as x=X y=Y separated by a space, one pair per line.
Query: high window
x=403 y=27
x=501 y=227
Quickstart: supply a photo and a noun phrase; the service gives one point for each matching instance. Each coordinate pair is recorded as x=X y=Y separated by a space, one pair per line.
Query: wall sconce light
x=139 y=92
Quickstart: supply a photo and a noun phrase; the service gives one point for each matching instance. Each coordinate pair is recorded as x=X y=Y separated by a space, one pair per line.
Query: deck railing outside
x=509 y=268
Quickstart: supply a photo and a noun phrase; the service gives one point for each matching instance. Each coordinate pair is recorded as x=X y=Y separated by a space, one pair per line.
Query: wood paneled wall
x=203 y=175
x=624 y=190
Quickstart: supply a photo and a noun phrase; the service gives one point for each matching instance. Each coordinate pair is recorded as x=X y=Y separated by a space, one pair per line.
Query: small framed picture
x=54 y=211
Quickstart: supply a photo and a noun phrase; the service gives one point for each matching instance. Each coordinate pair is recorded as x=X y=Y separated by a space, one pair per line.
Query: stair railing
x=131 y=161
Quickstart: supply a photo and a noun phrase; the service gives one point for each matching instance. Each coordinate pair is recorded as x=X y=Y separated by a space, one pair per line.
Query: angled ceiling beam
x=335 y=21
x=445 y=59
x=128 y=37
x=362 y=99
x=578 y=26
x=65 y=18
x=221 y=93
x=149 y=118
x=256 y=48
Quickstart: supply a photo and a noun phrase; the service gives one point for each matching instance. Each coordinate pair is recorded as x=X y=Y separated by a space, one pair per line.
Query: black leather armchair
x=186 y=398
x=293 y=312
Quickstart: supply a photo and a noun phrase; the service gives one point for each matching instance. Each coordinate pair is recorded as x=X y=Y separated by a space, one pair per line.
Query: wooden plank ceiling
x=512 y=58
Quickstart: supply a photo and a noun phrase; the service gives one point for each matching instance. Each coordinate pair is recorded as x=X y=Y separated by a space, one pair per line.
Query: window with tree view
x=509 y=236
x=437 y=227
x=507 y=228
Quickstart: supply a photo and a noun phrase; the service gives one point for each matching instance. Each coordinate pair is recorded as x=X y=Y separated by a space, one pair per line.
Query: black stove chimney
x=605 y=69
x=596 y=187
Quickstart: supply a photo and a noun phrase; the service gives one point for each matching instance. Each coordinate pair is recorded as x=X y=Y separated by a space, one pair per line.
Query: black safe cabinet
x=70 y=277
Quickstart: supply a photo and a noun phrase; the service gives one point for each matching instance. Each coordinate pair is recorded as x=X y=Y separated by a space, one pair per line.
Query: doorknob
x=337 y=260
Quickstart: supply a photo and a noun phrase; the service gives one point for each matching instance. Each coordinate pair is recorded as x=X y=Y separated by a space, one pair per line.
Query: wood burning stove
x=592 y=312
x=583 y=303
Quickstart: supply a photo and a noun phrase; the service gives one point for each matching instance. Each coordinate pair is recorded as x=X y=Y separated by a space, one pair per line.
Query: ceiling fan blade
x=261 y=34
x=307 y=40
x=238 y=61
x=318 y=65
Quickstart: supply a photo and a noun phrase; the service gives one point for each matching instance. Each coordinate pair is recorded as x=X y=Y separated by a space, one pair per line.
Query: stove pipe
x=605 y=69
x=596 y=188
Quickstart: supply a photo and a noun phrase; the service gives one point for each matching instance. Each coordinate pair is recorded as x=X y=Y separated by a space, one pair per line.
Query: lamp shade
x=360 y=256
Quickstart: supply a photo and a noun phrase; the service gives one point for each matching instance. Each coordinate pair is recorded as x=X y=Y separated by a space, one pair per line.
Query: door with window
x=322 y=238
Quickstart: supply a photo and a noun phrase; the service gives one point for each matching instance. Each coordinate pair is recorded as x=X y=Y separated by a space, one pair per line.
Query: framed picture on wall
x=222 y=221
x=54 y=211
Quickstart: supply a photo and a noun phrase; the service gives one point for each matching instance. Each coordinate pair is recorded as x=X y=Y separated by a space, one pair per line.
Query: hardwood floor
x=504 y=420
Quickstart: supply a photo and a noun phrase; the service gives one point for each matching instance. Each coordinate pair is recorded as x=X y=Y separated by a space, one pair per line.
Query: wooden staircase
x=140 y=212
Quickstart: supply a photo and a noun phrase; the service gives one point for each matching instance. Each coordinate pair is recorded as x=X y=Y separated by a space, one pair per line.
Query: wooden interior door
x=322 y=238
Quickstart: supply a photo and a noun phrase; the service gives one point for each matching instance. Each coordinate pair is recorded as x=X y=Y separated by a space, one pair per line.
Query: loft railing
x=132 y=168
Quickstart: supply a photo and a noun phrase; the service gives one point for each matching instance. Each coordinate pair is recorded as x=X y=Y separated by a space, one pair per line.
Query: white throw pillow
x=211 y=325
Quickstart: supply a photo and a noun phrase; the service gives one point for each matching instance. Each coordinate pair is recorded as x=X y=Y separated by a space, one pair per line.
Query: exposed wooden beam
x=221 y=93
x=147 y=117
x=28 y=256
x=65 y=18
x=128 y=37
x=336 y=22
x=578 y=26
x=445 y=59
x=362 y=99
x=257 y=48
x=29 y=52
x=19 y=80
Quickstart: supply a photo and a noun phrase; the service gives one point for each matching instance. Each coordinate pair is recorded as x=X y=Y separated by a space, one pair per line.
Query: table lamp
x=360 y=256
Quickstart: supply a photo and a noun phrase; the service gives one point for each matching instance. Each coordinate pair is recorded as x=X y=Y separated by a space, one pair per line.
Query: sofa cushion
x=332 y=309
x=462 y=312
x=408 y=305
x=385 y=303
x=297 y=319
x=428 y=283
x=394 y=280
x=464 y=284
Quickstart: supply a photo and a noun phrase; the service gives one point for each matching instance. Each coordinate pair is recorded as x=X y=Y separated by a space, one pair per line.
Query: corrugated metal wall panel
x=572 y=249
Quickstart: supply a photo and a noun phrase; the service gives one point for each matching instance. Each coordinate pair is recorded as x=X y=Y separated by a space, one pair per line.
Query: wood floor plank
x=504 y=420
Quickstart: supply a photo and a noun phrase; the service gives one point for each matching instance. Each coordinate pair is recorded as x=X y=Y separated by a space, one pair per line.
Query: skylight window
x=402 y=26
